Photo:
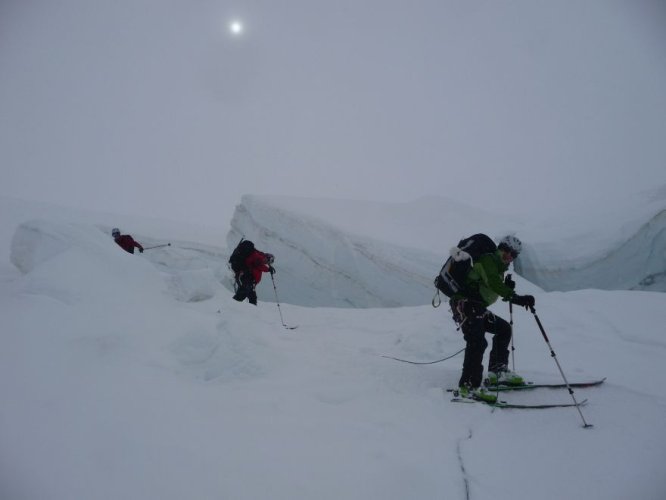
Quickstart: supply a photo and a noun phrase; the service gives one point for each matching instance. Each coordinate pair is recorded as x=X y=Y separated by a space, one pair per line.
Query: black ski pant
x=246 y=289
x=479 y=321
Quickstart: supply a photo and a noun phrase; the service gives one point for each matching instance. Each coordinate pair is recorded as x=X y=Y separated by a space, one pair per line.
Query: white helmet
x=511 y=244
x=115 y=232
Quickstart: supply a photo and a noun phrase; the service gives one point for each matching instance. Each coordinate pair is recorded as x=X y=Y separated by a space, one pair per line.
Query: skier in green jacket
x=484 y=284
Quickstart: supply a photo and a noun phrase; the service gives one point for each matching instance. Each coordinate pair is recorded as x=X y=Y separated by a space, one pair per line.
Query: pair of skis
x=527 y=386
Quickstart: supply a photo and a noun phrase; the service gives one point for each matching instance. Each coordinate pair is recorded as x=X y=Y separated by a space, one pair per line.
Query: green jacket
x=486 y=279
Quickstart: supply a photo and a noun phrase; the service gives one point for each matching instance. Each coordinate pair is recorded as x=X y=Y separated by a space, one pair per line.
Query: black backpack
x=451 y=279
x=239 y=255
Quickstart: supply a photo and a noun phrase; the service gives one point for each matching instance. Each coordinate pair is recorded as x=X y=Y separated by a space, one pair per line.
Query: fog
x=157 y=108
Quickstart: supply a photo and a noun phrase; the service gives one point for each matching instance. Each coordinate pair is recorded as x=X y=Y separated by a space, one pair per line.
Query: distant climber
x=125 y=241
x=248 y=263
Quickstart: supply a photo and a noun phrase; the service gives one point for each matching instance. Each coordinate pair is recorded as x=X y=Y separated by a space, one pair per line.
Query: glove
x=269 y=258
x=526 y=301
x=509 y=282
x=140 y=250
x=271 y=269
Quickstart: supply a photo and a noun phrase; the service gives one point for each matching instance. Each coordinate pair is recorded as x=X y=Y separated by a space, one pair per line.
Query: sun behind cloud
x=236 y=27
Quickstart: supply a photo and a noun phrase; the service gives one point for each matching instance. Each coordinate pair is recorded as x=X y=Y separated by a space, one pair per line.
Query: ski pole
x=277 y=301
x=513 y=358
x=158 y=246
x=552 y=353
x=508 y=281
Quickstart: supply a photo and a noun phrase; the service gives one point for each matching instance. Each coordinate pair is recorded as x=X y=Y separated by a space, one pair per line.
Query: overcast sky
x=155 y=107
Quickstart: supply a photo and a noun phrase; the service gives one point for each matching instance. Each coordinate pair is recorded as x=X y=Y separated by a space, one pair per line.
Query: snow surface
x=138 y=377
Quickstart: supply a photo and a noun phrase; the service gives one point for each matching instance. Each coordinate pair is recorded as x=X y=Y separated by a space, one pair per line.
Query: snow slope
x=117 y=384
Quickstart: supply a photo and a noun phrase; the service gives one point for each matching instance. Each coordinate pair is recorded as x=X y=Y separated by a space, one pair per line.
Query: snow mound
x=69 y=261
x=38 y=241
x=192 y=272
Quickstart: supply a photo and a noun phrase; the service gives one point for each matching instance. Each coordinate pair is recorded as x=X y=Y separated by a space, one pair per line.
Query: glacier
x=139 y=377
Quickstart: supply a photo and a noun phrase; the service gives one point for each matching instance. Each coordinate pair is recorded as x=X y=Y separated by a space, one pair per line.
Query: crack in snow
x=465 y=476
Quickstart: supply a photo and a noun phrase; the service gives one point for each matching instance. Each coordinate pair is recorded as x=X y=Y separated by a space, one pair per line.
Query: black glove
x=526 y=301
x=509 y=282
x=270 y=258
x=140 y=250
x=271 y=269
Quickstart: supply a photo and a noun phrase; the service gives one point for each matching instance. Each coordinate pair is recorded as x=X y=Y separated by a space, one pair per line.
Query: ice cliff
x=319 y=264
x=635 y=261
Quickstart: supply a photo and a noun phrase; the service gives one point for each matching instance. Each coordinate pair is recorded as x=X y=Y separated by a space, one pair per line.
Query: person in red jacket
x=250 y=275
x=125 y=241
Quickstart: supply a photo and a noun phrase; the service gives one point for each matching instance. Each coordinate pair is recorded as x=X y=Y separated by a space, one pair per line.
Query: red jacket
x=257 y=263
x=127 y=243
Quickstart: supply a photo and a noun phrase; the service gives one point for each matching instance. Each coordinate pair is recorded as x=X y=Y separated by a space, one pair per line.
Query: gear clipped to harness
x=451 y=278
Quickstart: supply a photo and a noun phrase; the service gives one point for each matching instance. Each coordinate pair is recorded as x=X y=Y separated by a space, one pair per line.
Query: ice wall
x=320 y=265
x=637 y=262
x=327 y=256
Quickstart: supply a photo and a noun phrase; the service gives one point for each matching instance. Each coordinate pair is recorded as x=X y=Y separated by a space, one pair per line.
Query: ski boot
x=504 y=377
x=478 y=393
